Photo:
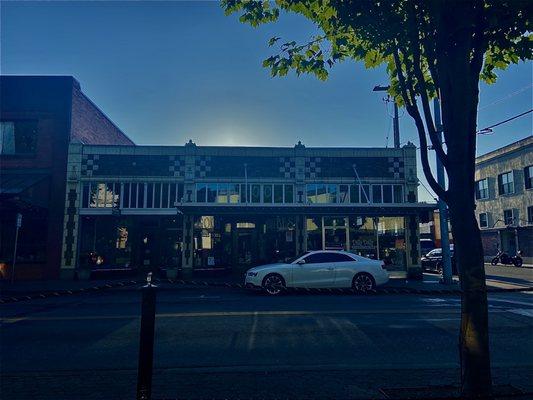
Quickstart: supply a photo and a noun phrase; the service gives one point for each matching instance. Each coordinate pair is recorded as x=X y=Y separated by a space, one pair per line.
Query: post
x=19 y=224
x=146 y=345
x=396 y=127
x=443 y=209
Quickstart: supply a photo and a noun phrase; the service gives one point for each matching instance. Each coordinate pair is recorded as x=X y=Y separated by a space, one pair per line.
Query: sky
x=167 y=72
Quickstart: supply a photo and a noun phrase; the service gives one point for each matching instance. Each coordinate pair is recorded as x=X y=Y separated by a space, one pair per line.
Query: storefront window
x=314 y=233
x=211 y=189
x=278 y=193
x=201 y=190
x=289 y=194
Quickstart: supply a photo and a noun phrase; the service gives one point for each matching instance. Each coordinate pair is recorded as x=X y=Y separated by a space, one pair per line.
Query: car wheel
x=517 y=262
x=439 y=268
x=494 y=261
x=363 y=282
x=273 y=284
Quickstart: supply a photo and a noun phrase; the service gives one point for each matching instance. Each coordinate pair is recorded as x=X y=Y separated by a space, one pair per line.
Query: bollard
x=146 y=345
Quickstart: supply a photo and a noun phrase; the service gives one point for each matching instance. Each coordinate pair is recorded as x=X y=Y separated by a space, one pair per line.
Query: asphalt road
x=226 y=343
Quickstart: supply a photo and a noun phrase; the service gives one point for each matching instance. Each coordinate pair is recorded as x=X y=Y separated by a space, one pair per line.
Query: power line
x=506 y=97
x=488 y=129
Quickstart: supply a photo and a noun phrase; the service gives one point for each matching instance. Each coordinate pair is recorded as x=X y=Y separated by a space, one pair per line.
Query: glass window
x=256 y=193
x=289 y=194
x=332 y=192
x=100 y=194
x=482 y=189
x=126 y=195
x=85 y=195
x=508 y=218
x=211 y=192
x=311 y=193
x=267 y=193
x=278 y=194
x=321 y=193
x=133 y=191
x=319 y=258
x=18 y=137
x=387 y=194
x=398 y=193
x=344 y=195
x=376 y=194
x=530 y=215
x=164 y=195
x=150 y=195
x=201 y=190
x=172 y=195
x=180 y=192
x=222 y=196
x=365 y=194
x=245 y=194
x=528 y=177
x=141 y=189
x=233 y=193
x=157 y=195
x=483 y=220
x=506 y=183
x=354 y=194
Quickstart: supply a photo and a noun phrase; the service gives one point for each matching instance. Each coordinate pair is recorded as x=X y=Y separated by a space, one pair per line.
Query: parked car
x=432 y=261
x=319 y=269
x=426 y=245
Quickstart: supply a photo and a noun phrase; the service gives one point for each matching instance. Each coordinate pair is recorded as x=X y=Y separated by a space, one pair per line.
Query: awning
x=17 y=183
x=421 y=209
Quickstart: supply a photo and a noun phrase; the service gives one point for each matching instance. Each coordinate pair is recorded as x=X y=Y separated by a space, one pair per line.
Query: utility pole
x=396 y=127
x=396 y=119
x=443 y=209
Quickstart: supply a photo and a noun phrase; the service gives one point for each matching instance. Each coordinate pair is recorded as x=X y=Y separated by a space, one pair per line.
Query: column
x=187 y=255
x=71 y=232
x=412 y=246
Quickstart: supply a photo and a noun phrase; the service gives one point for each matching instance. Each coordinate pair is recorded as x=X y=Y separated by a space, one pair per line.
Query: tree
x=431 y=48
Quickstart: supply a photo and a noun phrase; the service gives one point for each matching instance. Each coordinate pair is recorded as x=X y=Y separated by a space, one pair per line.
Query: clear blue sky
x=167 y=72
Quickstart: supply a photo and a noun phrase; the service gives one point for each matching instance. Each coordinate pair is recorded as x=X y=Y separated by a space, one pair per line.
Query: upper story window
x=18 y=137
x=356 y=193
x=482 y=189
x=528 y=177
x=235 y=193
x=508 y=217
x=506 y=183
x=131 y=194
x=483 y=220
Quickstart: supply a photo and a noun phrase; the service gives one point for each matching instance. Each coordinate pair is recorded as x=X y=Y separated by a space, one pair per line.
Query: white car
x=319 y=269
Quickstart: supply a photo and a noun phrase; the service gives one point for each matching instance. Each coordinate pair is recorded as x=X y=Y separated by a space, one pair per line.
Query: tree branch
x=412 y=109
x=415 y=50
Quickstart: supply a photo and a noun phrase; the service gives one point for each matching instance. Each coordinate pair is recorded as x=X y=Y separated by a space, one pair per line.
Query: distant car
x=319 y=269
x=426 y=245
x=432 y=261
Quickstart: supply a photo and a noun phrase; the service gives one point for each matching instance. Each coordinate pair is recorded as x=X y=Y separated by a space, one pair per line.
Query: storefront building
x=193 y=208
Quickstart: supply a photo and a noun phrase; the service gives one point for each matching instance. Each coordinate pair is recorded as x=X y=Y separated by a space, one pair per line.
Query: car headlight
x=252 y=273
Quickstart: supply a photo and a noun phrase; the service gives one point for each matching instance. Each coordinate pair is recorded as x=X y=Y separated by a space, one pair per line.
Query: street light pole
x=443 y=209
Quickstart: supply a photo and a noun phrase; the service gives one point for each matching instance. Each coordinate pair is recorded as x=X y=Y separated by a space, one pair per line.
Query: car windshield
x=290 y=260
x=435 y=252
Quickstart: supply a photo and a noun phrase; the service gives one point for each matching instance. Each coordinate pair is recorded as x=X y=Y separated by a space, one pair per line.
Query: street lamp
x=396 y=120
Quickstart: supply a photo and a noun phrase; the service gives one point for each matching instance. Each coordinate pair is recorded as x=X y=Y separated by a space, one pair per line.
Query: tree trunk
x=474 y=335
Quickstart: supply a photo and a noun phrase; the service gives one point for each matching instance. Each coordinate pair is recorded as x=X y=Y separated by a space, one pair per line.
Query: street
x=217 y=342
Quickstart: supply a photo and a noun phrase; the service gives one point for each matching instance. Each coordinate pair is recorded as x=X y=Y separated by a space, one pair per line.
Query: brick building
x=193 y=208
x=504 y=199
x=40 y=116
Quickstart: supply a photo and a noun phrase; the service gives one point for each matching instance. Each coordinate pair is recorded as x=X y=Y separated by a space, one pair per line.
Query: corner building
x=192 y=208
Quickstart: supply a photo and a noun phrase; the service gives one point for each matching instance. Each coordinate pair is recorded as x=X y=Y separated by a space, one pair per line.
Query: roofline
x=507 y=149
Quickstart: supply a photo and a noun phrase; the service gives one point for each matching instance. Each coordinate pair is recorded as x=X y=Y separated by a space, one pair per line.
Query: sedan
x=432 y=261
x=319 y=269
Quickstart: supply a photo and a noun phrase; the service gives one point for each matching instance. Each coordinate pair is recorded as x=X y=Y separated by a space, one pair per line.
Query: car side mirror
x=300 y=262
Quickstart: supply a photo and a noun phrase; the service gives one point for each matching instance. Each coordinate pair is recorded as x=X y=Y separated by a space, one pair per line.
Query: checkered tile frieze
x=396 y=167
x=312 y=167
x=176 y=166
x=201 y=166
x=287 y=167
x=89 y=164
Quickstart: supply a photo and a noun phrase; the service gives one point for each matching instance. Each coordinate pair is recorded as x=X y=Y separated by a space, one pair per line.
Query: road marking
x=522 y=303
x=251 y=339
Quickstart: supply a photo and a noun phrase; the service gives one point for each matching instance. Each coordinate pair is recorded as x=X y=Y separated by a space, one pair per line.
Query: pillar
x=412 y=246
x=187 y=255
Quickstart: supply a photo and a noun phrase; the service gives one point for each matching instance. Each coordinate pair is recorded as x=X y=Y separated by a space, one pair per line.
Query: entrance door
x=318 y=271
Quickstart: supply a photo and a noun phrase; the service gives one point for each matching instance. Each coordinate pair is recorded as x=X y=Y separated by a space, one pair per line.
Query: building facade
x=40 y=116
x=504 y=199
x=191 y=208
